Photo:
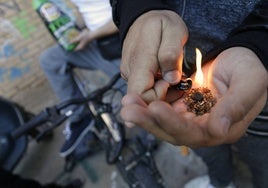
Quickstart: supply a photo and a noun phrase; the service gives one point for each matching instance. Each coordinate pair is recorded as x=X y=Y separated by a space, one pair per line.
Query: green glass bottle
x=60 y=25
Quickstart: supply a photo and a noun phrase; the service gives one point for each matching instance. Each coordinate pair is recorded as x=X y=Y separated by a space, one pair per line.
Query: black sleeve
x=252 y=34
x=126 y=11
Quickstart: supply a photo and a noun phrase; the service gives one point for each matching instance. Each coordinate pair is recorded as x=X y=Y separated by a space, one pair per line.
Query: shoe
x=203 y=182
x=74 y=133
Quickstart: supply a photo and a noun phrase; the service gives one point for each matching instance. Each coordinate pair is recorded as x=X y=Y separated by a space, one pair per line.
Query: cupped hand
x=239 y=82
x=153 y=45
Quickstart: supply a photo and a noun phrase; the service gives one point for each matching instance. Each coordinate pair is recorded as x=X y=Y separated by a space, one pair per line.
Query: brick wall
x=23 y=37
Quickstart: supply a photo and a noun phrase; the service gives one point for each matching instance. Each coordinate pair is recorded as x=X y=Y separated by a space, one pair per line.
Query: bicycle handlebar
x=45 y=115
x=97 y=93
x=37 y=120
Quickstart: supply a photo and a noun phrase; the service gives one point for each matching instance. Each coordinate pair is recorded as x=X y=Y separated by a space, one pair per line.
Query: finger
x=130 y=99
x=143 y=62
x=79 y=46
x=139 y=61
x=158 y=92
x=182 y=126
x=171 y=48
x=131 y=110
x=145 y=121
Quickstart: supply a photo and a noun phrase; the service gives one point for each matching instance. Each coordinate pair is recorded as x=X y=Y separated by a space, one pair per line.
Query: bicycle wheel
x=146 y=178
x=140 y=176
x=137 y=166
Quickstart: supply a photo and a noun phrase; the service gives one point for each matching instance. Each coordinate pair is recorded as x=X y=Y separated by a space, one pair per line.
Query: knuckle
x=170 y=55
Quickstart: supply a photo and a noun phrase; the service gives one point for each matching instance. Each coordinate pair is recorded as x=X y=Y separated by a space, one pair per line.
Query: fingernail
x=129 y=124
x=172 y=77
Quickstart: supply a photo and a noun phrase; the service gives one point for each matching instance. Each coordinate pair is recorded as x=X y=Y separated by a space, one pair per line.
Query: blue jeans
x=57 y=65
x=252 y=150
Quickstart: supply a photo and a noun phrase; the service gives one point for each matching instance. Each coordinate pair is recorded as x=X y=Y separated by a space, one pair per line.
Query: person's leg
x=253 y=150
x=219 y=163
x=57 y=65
x=92 y=59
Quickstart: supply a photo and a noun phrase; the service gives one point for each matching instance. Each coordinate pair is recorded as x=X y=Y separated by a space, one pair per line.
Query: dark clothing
x=213 y=27
x=209 y=22
x=9 y=180
x=249 y=149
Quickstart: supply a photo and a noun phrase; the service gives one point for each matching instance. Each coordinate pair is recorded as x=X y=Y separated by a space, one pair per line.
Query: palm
x=228 y=76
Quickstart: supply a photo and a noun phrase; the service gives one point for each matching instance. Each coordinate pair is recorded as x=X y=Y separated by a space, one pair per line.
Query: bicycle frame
x=107 y=118
x=53 y=116
x=110 y=132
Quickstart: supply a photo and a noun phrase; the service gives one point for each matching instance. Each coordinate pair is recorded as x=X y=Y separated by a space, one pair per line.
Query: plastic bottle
x=58 y=23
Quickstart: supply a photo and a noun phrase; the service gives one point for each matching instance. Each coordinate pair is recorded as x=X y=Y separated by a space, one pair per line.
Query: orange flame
x=199 y=77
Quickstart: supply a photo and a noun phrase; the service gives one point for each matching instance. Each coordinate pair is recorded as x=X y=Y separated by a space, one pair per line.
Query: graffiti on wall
x=11 y=5
x=12 y=35
x=14 y=30
x=8 y=51
x=24 y=26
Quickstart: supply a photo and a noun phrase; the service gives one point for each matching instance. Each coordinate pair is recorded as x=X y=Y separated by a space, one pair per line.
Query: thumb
x=233 y=112
x=172 y=69
x=170 y=60
x=170 y=54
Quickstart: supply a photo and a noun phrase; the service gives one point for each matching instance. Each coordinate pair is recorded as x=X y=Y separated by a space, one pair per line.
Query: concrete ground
x=43 y=163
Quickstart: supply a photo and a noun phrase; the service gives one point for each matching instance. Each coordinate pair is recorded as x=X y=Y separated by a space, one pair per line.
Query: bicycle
x=133 y=156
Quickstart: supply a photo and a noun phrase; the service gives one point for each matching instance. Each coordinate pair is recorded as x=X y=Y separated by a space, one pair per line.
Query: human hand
x=83 y=39
x=153 y=45
x=237 y=79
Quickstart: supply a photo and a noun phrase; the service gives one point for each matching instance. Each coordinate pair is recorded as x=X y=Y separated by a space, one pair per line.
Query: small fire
x=200 y=99
x=199 y=77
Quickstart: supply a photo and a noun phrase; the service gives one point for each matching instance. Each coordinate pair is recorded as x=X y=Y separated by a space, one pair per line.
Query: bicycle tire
x=140 y=177
x=146 y=179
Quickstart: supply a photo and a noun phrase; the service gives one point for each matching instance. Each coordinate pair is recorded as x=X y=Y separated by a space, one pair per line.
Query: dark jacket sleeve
x=252 y=34
x=126 y=11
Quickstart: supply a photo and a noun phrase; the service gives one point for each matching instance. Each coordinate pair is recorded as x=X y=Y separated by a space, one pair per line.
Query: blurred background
x=23 y=37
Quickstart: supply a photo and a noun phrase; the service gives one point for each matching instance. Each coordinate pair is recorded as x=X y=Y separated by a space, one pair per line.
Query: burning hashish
x=199 y=100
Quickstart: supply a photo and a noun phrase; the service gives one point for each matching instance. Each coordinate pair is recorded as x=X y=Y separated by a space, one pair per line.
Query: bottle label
x=50 y=12
x=67 y=37
x=59 y=24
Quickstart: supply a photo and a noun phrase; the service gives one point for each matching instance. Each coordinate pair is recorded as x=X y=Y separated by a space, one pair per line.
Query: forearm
x=108 y=29
x=80 y=21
